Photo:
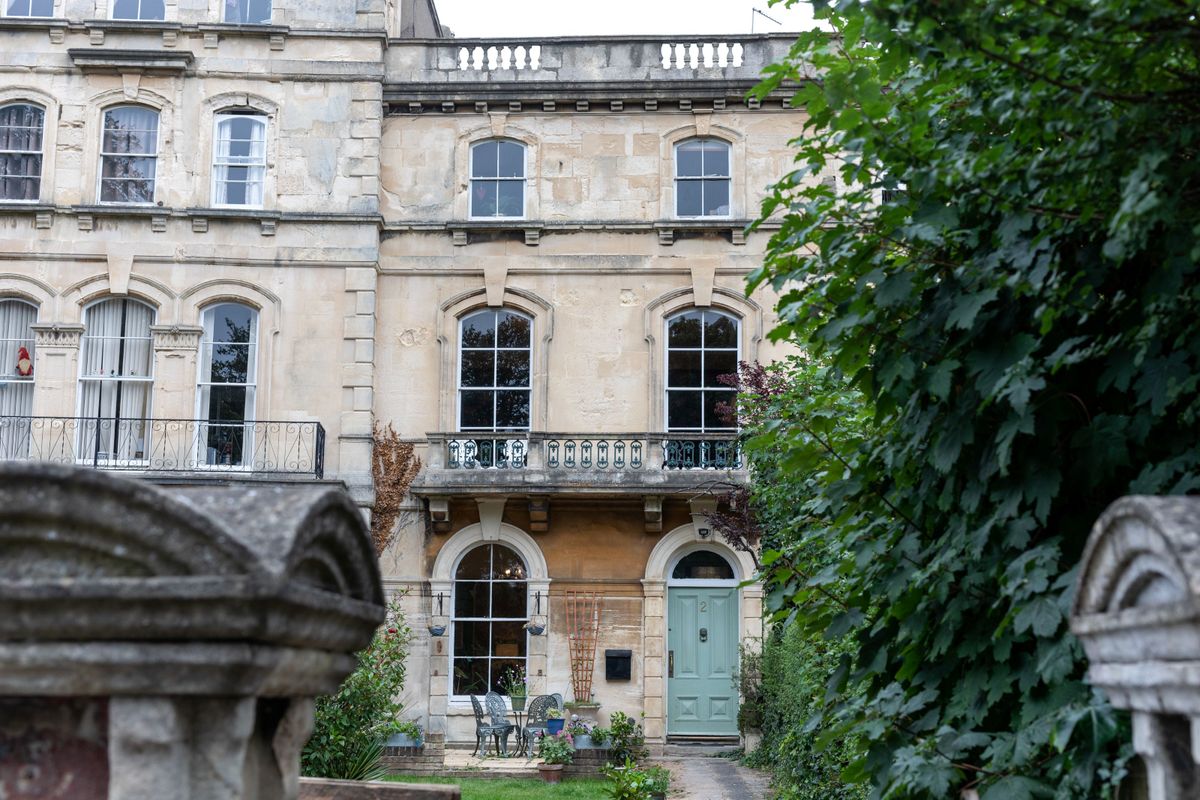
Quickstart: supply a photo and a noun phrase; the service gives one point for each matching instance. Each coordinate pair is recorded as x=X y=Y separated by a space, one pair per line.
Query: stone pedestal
x=167 y=645
x=1137 y=613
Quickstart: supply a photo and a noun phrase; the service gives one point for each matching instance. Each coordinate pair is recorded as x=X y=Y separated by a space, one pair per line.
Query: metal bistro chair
x=535 y=718
x=499 y=713
x=484 y=729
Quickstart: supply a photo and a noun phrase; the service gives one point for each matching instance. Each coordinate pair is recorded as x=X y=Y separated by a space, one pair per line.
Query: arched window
x=115 y=380
x=490 y=612
x=27 y=8
x=494 y=371
x=228 y=365
x=128 y=155
x=498 y=179
x=702 y=178
x=16 y=376
x=21 y=132
x=702 y=345
x=239 y=160
x=139 y=9
x=248 y=12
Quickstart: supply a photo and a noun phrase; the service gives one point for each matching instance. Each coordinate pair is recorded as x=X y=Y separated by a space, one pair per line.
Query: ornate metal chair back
x=479 y=723
x=495 y=708
x=536 y=718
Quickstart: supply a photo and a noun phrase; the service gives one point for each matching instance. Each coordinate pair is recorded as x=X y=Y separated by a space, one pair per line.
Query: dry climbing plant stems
x=394 y=466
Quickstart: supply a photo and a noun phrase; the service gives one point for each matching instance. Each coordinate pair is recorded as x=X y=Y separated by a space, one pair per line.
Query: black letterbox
x=617 y=664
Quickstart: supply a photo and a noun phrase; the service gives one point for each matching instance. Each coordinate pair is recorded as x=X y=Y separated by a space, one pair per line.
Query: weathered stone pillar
x=166 y=645
x=55 y=369
x=176 y=350
x=1137 y=613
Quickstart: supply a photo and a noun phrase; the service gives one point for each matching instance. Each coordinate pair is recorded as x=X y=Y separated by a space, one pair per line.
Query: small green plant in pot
x=628 y=782
x=555 y=752
x=554 y=721
x=406 y=734
x=514 y=684
x=580 y=733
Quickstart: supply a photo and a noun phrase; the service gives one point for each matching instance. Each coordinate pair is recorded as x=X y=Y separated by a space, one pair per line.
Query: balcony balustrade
x=260 y=447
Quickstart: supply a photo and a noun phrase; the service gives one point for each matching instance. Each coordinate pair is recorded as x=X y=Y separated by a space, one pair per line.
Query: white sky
x=525 y=18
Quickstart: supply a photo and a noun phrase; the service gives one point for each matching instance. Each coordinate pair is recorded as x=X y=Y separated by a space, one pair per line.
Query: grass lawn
x=518 y=788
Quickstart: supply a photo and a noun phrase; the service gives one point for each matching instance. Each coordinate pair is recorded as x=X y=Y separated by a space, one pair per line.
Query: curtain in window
x=16 y=391
x=21 y=151
x=115 y=383
x=128 y=150
x=239 y=161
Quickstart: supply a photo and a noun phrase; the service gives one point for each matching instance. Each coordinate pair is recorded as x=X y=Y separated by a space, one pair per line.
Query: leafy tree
x=1006 y=270
x=351 y=727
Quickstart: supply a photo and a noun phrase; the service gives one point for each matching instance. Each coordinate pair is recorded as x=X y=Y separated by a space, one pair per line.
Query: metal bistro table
x=522 y=749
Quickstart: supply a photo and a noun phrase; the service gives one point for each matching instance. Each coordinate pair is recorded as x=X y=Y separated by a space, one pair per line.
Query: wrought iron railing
x=168 y=445
x=586 y=452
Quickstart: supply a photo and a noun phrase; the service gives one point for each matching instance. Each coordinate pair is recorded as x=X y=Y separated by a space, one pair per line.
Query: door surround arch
x=666 y=553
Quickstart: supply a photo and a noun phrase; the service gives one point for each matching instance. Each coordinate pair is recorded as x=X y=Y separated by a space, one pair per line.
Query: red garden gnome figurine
x=24 y=364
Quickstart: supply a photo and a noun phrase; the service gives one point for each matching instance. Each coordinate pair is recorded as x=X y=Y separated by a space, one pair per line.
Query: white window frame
x=493 y=388
x=149 y=379
x=103 y=155
x=666 y=362
x=523 y=180
x=226 y=20
x=4 y=11
x=455 y=619
x=40 y=153
x=250 y=412
x=8 y=371
x=728 y=177
x=218 y=119
x=112 y=11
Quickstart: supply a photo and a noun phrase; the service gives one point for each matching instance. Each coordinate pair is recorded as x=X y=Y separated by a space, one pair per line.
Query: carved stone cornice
x=176 y=337
x=57 y=334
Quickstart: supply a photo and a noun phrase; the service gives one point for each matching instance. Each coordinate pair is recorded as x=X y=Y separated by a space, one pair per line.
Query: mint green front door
x=702 y=653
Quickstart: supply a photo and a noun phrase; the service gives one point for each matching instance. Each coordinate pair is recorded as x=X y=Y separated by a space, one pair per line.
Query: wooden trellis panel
x=583 y=625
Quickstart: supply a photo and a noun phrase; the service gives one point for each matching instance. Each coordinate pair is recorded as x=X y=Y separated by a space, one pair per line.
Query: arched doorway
x=703 y=622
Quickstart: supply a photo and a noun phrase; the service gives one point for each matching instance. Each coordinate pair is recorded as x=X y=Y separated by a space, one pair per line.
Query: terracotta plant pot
x=551 y=773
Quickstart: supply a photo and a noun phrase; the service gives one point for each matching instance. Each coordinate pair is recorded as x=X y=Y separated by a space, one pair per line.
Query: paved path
x=707 y=778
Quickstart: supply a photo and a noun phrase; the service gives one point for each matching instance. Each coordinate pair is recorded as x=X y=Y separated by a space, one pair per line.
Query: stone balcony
x=540 y=466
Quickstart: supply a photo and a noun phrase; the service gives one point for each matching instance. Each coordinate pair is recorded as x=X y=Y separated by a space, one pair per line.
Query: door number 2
x=703 y=606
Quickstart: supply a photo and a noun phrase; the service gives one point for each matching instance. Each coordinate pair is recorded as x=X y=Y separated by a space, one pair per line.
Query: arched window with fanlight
x=494 y=387
x=116 y=377
x=22 y=131
x=226 y=392
x=702 y=348
x=490 y=611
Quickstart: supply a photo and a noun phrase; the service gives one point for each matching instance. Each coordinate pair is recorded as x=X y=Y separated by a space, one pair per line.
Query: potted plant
x=599 y=736
x=514 y=685
x=580 y=733
x=536 y=625
x=554 y=721
x=658 y=781
x=555 y=753
x=405 y=734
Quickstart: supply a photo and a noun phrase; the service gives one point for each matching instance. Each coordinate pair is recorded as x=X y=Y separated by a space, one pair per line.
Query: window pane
x=471 y=638
x=478 y=368
x=470 y=676
x=716 y=197
x=21 y=127
x=688 y=160
x=703 y=564
x=713 y=418
x=230 y=363
x=128 y=168
x=512 y=160
x=153 y=9
x=483 y=160
x=512 y=199
x=684 y=330
x=232 y=323
x=719 y=363
x=476 y=564
x=476 y=411
x=716 y=158
x=471 y=599
x=20 y=177
x=507 y=564
x=514 y=330
x=479 y=330
x=502 y=665
x=512 y=409
x=483 y=198
x=513 y=368
x=227 y=403
x=508 y=599
x=253 y=12
x=720 y=330
x=683 y=410
x=683 y=368
x=508 y=639
x=688 y=201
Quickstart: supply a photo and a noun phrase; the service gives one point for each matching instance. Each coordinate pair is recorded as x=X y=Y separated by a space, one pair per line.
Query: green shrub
x=625 y=739
x=628 y=782
x=351 y=726
x=557 y=749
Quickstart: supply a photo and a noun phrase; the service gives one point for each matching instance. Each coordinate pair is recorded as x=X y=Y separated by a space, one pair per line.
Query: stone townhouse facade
x=236 y=235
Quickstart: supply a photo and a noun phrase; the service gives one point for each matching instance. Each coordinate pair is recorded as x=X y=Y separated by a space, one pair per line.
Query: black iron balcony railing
x=586 y=453
x=168 y=445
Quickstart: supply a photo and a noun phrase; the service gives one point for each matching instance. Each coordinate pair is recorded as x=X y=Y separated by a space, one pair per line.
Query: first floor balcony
x=286 y=449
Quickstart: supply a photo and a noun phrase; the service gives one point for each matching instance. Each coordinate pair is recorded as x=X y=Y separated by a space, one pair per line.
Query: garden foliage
x=1006 y=270
x=351 y=726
